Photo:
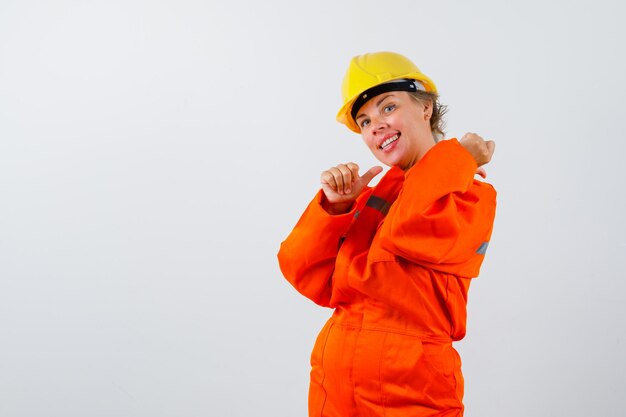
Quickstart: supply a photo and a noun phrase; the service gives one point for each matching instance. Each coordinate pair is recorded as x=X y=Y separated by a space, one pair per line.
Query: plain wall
x=154 y=154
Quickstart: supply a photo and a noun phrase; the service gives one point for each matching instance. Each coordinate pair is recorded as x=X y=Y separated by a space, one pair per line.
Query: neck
x=425 y=145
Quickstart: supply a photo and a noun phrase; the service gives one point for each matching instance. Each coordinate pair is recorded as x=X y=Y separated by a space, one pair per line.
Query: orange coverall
x=396 y=269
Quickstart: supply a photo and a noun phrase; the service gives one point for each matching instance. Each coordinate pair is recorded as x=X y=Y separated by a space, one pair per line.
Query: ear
x=428 y=110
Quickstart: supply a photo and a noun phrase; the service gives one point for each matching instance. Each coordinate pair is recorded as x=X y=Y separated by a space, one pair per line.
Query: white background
x=154 y=154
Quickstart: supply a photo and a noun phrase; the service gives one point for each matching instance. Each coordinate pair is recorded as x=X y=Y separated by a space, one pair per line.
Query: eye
x=364 y=123
x=389 y=108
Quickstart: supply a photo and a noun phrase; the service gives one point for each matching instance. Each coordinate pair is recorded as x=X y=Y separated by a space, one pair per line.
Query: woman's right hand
x=342 y=184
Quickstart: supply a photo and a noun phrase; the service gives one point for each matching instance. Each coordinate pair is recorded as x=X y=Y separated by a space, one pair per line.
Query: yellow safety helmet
x=366 y=75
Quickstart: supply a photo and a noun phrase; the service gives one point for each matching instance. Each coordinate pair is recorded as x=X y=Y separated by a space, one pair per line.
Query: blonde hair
x=437 y=122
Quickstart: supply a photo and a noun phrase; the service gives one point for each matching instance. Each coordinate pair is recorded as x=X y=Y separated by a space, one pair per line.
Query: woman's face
x=396 y=128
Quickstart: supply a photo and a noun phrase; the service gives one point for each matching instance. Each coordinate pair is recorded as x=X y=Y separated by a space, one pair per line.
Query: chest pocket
x=376 y=209
x=361 y=236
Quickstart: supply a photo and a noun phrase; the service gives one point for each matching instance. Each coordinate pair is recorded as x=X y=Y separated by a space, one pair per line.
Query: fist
x=480 y=149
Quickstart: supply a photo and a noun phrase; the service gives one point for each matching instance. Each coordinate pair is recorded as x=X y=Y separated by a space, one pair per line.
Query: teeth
x=389 y=141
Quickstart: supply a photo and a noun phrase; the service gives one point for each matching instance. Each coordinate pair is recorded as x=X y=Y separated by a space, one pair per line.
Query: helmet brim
x=344 y=113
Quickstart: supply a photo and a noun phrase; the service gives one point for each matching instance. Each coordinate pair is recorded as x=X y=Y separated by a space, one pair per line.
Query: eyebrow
x=377 y=104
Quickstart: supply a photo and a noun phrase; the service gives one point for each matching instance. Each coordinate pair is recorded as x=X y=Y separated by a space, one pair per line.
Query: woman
x=393 y=261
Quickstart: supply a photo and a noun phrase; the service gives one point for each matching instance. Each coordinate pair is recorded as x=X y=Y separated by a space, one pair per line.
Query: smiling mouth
x=388 y=142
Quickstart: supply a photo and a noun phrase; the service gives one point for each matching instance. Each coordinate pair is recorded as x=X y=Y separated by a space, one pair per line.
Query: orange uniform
x=396 y=269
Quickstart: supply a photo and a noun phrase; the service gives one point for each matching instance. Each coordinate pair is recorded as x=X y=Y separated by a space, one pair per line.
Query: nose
x=378 y=124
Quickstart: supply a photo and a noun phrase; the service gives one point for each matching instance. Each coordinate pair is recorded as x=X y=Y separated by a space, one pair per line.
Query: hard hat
x=372 y=70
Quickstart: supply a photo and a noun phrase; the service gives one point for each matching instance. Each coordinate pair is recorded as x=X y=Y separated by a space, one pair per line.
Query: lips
x=388 y=141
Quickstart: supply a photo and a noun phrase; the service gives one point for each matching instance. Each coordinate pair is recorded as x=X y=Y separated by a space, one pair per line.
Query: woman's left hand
x=480 y=149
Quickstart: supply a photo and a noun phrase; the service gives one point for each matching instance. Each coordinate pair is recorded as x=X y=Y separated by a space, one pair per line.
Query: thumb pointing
x=371 y=173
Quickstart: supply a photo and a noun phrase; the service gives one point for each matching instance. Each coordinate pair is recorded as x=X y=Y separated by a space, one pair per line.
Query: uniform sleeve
x=443 y=218
x=307 y=256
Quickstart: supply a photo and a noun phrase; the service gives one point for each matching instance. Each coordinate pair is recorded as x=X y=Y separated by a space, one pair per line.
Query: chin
x=392 y=162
